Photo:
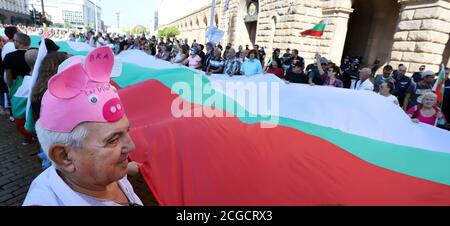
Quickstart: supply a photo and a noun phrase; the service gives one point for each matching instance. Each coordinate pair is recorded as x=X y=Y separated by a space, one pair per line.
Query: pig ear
x=99 y=64
x=69 y=83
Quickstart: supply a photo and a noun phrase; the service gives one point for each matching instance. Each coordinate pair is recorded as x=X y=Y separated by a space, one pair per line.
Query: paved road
x=19 y=165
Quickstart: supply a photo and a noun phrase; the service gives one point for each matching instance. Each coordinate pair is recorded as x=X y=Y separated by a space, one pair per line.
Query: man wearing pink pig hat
x=83 y=129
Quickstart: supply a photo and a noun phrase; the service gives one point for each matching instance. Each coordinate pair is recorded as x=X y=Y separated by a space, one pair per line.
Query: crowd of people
x=413 y=94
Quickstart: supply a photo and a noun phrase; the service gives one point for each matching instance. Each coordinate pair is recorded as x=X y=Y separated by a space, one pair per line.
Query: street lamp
x=118 y=20
x=43 y=12
x=96 y=16
x=34 y=15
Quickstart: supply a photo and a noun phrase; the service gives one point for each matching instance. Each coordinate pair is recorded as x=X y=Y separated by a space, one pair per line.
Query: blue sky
x=132 y=12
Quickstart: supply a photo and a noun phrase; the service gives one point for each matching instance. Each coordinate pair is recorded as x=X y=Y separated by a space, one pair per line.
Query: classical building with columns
x=412 y=32
x=11 y=10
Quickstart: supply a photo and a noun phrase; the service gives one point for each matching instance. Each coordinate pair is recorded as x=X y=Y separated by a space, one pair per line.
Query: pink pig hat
x=82 y=93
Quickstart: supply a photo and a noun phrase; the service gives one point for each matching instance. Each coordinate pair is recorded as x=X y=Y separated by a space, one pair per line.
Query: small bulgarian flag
x=439 y=87
x=316 y=31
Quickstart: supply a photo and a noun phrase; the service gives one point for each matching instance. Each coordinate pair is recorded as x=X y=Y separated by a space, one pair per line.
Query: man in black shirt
x=14 y=63
x=402 y=83
x=297 y=59
x=417 y=76
x=295 y=74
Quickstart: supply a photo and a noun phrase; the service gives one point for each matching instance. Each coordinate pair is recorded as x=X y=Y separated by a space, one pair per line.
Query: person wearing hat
x=209 y=55
x=415 y=91
x=194 y=61
x=84 y=131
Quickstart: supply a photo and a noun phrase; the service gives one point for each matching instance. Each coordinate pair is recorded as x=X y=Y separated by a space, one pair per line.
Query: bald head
x=364 y=74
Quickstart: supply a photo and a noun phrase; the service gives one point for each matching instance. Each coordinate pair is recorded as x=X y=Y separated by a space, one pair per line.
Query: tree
x=58 y=25
x=168 y=32
x=89 y=28
x=139 y=29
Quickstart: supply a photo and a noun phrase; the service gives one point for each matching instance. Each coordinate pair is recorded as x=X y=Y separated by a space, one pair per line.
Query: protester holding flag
x=446 y=100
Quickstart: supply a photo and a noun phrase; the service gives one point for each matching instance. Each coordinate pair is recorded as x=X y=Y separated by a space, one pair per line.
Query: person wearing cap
x=83 y=129
x=364 y=83
x=385 y=77
x=350 y=73
x=415 y=91
x=208 y=56
x=194 y=61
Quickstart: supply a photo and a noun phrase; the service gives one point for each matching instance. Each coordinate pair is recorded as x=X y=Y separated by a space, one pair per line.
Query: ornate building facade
x=412 y=32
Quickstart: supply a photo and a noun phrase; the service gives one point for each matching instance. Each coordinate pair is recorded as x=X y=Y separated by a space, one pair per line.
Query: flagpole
x=435 y=90
x=213 y=5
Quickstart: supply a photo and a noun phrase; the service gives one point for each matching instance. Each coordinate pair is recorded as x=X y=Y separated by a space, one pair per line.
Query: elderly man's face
x=104 y=157
x=364 y=74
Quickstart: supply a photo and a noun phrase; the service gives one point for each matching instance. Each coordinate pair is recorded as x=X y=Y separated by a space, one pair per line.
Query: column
x=338 y=22
x=422 y=33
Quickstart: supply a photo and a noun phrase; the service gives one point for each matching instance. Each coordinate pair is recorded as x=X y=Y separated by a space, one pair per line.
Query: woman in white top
x=386 y=89
x=182 y=54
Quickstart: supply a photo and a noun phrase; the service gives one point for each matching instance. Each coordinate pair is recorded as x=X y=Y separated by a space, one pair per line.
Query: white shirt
x=393 y=99
x=8 y=48
x=366 y=85
x=48 y=189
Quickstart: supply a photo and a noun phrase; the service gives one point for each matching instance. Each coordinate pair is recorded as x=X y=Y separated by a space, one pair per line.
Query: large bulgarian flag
x=317 y=30
x=202 y=143
x=439 y=85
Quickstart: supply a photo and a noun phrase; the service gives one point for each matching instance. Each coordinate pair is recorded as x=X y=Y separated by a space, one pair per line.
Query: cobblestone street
x=19 y=165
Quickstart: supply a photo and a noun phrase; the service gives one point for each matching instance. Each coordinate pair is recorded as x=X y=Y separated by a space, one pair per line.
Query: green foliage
x=58 y=25
x=168 y=32
x=89 y=28
x=139 y=29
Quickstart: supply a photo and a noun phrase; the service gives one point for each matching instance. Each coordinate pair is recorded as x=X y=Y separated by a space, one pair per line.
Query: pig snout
x=113 y=110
